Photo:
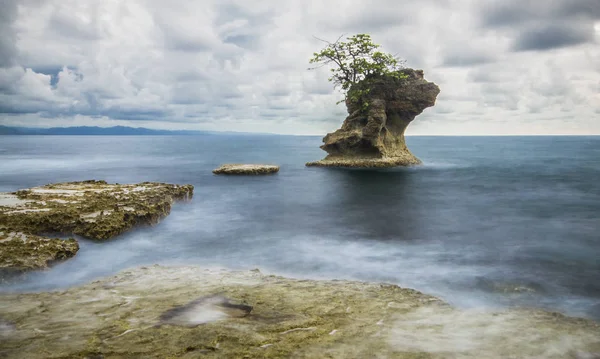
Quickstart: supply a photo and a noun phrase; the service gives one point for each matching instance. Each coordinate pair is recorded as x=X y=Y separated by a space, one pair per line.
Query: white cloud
x=239 y=65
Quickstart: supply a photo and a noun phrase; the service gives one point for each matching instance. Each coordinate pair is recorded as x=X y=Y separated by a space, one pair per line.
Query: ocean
x=485 y=222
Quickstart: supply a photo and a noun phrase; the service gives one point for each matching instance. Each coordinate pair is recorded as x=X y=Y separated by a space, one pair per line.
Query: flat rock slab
x=366 y=162
x=190 y=312
x=92 y=209
x=246 y=169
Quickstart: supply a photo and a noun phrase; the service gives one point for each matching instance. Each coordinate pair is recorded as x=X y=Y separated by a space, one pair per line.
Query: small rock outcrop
x=373 y=133
x=92 y=209
x=245 y=169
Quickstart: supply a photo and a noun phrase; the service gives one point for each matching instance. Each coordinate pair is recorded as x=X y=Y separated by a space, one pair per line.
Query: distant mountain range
x=106 y=131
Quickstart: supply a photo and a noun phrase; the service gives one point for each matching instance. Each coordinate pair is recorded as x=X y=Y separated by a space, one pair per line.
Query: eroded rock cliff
x=380 y=108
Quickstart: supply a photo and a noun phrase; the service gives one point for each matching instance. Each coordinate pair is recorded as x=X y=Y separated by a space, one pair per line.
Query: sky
x=509 y=67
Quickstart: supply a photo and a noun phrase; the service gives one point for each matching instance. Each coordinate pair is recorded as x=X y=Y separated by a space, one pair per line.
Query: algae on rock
x=92 y=209
x=21 y=252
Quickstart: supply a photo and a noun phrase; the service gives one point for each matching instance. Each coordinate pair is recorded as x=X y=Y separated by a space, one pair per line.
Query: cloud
x=553 y=36
x=239 y=65
x=465 y=59
x=540 y=25
x=8 y=47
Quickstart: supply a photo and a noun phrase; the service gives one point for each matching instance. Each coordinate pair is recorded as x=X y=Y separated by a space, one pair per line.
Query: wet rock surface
x=204 y=310
x=21 y=252
x=92 y=209
x=246 y=169
x=373 y=133
x=189 y=312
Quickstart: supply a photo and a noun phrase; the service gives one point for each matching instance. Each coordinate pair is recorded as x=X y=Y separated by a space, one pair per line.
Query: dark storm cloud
x=505 y=14
x=8 y=49
x=15 y=109
x=542 y=25
x=515 y=12
x=589 y=8
x=51 y=71
x=553 y=36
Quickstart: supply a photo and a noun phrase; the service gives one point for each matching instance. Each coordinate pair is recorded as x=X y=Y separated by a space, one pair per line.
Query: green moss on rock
x=21 y=252
x=92 y=209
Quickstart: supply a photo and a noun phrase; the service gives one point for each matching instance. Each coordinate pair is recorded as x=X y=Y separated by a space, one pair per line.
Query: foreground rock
x=373 y=133
x=92 y=209
x=189 y=312
x=246 y=169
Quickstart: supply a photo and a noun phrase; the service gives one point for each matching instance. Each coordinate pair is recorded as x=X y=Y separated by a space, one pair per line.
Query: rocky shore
x=30 y=218
x=190 y=312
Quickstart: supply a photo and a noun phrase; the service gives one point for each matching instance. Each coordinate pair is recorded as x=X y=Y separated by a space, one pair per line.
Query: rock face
x=191 y=312
x=92 y=209
x=373 y=133
x=246 y=169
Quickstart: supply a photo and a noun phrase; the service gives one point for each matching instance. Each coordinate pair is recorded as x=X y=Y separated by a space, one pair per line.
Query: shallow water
x=487 y=221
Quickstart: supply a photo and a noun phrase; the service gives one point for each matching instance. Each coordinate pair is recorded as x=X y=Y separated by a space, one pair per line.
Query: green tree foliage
x=354 y=60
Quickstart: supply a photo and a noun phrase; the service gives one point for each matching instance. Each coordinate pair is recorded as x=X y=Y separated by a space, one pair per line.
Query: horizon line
x=276 y=133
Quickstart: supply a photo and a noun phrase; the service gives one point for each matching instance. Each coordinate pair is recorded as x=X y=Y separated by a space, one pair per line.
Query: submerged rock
x=162 y=312
x=92 y=209
x=373 y=133
x=246 y=169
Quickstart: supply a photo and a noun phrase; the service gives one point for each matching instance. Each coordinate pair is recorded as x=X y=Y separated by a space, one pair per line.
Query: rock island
x=373 y=133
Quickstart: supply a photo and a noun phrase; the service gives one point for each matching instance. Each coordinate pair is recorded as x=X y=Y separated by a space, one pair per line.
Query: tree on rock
x=356 y=59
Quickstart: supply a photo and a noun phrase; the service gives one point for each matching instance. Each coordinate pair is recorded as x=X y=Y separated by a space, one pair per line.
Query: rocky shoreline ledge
x=92 y=209
x=190 y=312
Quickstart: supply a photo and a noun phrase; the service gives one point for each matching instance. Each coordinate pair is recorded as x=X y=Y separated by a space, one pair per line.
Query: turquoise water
x=485 y=222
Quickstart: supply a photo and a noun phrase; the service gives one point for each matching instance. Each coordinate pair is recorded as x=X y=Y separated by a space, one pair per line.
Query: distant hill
x=92 y=130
